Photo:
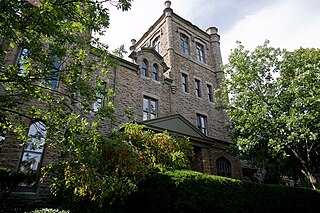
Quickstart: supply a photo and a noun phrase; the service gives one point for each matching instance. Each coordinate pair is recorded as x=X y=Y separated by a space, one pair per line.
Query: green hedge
x=46 y=210
x=188 y=191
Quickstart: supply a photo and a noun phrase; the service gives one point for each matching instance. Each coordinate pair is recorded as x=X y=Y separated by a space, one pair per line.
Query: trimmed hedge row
x=188 y=191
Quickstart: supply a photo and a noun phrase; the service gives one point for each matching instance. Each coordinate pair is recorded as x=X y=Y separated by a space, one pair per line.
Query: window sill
x=156 y=81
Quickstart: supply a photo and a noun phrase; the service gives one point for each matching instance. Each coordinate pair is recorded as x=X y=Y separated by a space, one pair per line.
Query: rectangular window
x=200 y=52
x=2 y=138
x=202 y=123
x=155 y=72
x=22 y=60
x=99 y=103
x=53 y=77
x=185 y=83
x=150 y=108
x=184 y=44
x=2 y=131
x=198 y=88
x=209 y=91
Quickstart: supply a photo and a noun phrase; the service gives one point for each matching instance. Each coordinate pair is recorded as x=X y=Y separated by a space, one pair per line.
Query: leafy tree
x=108 y=169
x=274 y=108
x=56 y=46
x=57 y=66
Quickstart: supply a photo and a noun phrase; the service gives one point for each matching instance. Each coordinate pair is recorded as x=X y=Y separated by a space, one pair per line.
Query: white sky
x=286 y=23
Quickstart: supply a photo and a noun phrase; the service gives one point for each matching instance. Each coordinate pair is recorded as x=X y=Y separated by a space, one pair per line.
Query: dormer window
x=184 y=44
x=156 y=44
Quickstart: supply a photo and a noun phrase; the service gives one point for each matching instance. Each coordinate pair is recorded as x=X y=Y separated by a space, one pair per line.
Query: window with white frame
x=210 y=92
x=185 y=82
x=202 y=123
x=184 y=44
x=200 y=52
x=156 y=44
x=155 y=72
x=223 y=167
x=150 y=108
x=144 y=68
x=198 y=88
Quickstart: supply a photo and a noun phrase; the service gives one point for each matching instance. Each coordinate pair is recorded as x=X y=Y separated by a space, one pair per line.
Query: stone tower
x=170 y=84
x=194 y=64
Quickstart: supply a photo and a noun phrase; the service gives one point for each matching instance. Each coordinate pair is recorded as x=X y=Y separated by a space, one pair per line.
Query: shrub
x=188 y=191
x=9 y=180
x=45 y=210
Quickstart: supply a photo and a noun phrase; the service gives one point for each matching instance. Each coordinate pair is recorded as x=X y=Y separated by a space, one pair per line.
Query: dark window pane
x=184 y=44
x=144 y=68
x=149 y=108
x=155 y=72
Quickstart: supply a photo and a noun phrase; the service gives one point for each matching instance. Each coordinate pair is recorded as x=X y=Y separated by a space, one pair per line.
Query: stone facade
x=131 y=86
x=201 y=63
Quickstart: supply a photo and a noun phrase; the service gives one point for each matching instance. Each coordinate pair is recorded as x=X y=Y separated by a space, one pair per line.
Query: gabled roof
x=178 y=125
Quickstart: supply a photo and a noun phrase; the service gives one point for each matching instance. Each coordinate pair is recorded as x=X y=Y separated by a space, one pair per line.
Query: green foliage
x=120 y=51
x=58 y=46
x=188 y=191
x=107 y=170
x=273 y=103
x=8 y=181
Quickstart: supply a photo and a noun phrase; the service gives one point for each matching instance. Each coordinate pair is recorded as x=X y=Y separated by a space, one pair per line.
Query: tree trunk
x=312 y=179
x=306 y=168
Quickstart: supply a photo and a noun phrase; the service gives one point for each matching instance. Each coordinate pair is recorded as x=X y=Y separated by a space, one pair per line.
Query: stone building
x=169 y=85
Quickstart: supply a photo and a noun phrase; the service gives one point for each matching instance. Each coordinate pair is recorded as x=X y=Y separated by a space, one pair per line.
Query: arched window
x=223 y=167
x=144 y=68
x=33 y=152
x=156 y=44
x=155 y=72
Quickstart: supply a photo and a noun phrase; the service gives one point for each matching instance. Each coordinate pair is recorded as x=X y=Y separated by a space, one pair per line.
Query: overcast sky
x=287 y=24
